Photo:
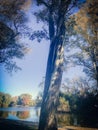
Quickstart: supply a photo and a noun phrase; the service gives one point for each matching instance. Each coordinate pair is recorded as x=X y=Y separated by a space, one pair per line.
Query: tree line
x=6 y=100
x=81 y=100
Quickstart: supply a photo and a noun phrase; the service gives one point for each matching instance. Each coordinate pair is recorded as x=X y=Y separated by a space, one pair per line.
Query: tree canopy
x=12 y=17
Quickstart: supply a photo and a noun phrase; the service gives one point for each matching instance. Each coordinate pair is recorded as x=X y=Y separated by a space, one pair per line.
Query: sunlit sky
x=33 y=68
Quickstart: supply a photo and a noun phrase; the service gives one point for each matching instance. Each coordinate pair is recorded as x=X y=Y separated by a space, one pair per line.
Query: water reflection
x=23 y=115
x=14 y=113
x=32 y=114
x=4 y=114
x=19 y=114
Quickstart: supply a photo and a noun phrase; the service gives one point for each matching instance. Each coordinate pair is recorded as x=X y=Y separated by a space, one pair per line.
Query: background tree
x=63 y=105
x=81 y=46
x=81 y=95
x=87 y=27
x=14 y=101
x=1 y=99
x=6 y=99
x=25 y=99
x=12 y=17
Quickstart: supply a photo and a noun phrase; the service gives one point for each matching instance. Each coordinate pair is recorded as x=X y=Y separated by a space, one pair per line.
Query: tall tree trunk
x=48 y=119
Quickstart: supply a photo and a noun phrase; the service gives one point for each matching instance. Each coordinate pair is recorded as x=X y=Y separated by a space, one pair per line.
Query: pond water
x=21 y=113
x=32 y=114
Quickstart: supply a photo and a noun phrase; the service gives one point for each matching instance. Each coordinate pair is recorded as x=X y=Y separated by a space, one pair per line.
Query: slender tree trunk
x=48 y=119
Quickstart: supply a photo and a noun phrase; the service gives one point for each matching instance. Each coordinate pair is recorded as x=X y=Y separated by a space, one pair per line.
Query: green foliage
x=81 y=95
x=63 y=105
x=23 y=100
x=11 y=19
x=1 y=99
x=9 y=48
x=84 y=103
x=5 y=99
x=85 y=39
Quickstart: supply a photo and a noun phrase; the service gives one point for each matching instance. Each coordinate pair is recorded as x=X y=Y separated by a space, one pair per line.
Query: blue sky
x=33 y=69
x=33 y=66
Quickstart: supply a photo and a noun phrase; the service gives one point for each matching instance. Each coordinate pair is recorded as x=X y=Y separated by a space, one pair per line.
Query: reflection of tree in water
x=3 y=114
x=37 y=112
x=23 y=114
x=13 y=113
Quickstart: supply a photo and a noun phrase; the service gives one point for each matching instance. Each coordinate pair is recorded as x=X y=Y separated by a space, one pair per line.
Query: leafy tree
x=54 y=14
x=25 y=99
x=14 y=101
x=6 y=99
x=81 y=96
x=87 y=27
x=1 y=98
x=82 y=47
x=11 y=19
x=9 y=48
x=63 y=105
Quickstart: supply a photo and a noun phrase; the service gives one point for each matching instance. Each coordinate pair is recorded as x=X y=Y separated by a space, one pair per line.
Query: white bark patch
x=59 y=61
x=94 y=64
x=51 y=118
x=60 y=57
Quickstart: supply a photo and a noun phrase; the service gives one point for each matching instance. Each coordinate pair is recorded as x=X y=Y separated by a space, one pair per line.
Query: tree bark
x=54 y=71
x=48 y=119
